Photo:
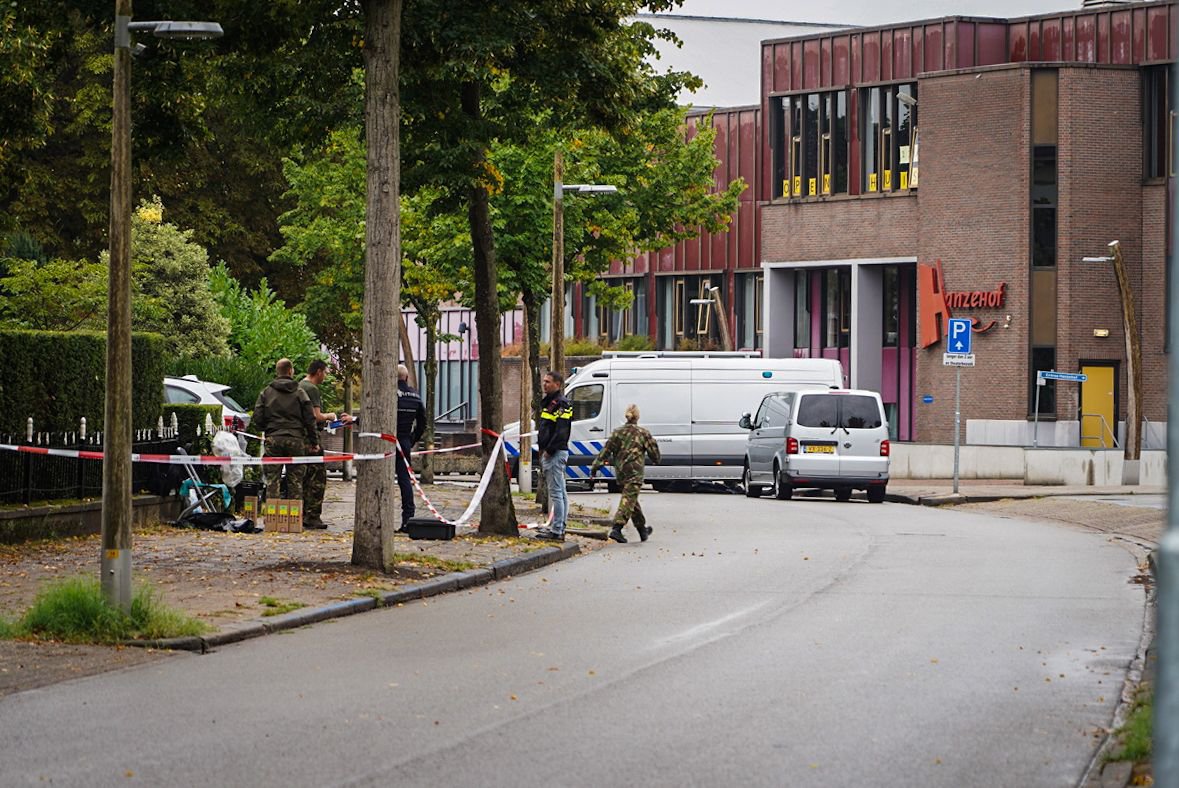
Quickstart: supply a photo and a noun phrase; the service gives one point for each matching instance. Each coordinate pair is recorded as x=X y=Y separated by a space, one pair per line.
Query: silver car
x=835 y=440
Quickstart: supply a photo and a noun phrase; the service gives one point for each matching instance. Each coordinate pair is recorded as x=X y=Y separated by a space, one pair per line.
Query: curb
x=444 y=584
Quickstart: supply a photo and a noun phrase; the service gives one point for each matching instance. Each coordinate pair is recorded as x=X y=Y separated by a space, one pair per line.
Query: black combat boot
x=616 y=534
x=644 y=532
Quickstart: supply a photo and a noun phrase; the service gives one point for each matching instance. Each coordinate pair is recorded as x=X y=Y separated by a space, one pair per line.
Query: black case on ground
x=428 y=528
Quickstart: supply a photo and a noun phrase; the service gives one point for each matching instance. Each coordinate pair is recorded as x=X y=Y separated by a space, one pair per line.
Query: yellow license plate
x=819 y=449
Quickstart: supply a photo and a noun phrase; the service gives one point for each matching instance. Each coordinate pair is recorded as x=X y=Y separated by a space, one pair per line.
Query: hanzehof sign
x=937 y=304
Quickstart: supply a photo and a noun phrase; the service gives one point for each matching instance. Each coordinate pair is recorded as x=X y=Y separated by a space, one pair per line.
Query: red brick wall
x=839 y=228
x=973 y=201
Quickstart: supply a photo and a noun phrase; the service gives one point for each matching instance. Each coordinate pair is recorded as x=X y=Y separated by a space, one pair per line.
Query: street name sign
x=1051 y=374
x=958 y=359
x=958 y=336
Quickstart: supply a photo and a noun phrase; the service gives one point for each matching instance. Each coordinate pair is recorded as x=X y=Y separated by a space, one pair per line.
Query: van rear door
x=816 y=426
x=861 y=430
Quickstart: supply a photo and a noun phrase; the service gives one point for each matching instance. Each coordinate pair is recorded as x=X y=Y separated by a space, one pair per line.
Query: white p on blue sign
x=958 y=335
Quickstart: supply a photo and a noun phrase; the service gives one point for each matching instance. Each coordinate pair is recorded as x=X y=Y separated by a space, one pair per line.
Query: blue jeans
x=554 y=473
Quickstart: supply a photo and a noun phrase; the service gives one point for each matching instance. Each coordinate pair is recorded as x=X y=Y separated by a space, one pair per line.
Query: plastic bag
x=225 y=444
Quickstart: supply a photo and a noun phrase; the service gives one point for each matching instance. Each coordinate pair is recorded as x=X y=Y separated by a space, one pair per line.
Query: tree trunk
x=532 y=327
x=407 y=353
x=498 y=515
x=377 y=510
x=430 y=393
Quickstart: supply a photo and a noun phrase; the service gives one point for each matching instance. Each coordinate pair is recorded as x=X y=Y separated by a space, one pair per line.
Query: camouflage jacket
x=628 y=449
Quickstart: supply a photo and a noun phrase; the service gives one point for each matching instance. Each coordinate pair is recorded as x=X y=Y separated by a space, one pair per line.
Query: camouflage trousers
x=285 y=447
x=314 y=487
x=628 y=507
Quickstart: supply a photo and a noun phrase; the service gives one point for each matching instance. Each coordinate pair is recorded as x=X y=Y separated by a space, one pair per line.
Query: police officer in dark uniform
x=411 y=423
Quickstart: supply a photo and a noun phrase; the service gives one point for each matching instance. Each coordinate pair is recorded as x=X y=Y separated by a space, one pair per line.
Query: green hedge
x=58 y=378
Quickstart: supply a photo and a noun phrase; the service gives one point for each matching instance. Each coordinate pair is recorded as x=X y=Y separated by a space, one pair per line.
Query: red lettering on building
x=935 y=304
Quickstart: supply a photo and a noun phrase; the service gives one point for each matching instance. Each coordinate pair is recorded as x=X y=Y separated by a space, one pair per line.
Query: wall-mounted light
x=1101 y=332
x=1007 y=322
x=906 y=99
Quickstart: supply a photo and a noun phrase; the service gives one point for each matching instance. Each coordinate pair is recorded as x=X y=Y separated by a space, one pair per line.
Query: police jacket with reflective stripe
x=556 y=417
x=411 y=415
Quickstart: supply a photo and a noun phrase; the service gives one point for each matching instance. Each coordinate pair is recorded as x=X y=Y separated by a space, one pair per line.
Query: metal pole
x=957 y=421
x=115 y=565
x=557 y=332
x=1036 y=423
x=524 y=465
x=1166 y=702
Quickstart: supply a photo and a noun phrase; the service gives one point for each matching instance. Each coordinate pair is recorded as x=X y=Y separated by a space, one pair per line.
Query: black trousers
x=404 y=484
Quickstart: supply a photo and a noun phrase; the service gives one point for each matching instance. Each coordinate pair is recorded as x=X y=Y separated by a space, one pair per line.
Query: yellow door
x=1098 y=424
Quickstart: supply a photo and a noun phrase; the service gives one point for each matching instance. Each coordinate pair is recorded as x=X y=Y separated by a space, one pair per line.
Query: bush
x=75 y=611
x=635 y=342
x=58 y=378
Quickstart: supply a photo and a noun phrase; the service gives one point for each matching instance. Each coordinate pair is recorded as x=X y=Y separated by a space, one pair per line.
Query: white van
x=689 y=401
x=835 y=440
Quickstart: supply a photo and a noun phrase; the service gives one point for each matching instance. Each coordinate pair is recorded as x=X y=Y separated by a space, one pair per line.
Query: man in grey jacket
x=283 y=411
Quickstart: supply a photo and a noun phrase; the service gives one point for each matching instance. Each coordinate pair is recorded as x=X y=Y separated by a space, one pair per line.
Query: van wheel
x=612 y=486
x=751 y=490
x=876 y=494
x=843 y=493
x=661 y=486
x=782 y=489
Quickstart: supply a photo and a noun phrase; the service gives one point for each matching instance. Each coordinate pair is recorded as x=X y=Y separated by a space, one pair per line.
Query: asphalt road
x=750 y=642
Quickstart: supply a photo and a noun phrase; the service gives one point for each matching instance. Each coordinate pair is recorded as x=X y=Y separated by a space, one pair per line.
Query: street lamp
x=116 y=467
x=1133 y=359
x=557 y=338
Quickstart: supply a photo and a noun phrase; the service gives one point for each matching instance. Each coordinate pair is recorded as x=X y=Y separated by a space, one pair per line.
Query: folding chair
x=202 y=496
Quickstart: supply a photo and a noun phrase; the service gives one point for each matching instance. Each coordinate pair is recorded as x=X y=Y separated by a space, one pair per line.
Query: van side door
x=664 y=399
x=767 y=437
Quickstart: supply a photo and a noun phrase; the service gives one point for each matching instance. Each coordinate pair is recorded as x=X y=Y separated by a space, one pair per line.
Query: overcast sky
x=869 y=12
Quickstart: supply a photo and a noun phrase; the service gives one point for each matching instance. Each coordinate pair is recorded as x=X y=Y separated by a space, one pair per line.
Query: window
x=888 y=134
x=678 y=306
x=1042 y=202
x=837 y=307
x=704 y=311
x=749 y=295
x=1158 y=123
x=810 y=142
x=818 y=411
x=587 y=401
x=802 y=310
x=1043 y=359
x=892 y=306
x=175 y=394
x=860 y=412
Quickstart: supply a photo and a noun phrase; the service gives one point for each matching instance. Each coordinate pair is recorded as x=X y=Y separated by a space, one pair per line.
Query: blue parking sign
x=958 y=335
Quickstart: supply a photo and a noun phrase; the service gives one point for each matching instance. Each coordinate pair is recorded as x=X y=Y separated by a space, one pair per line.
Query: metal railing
x=1104 y=429
x=462 y=405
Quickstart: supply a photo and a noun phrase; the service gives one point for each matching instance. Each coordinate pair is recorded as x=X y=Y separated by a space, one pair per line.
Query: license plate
x=819 y=449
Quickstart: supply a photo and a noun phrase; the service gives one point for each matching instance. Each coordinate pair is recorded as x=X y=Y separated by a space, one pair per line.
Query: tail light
x=884 y=448
x=792 y=445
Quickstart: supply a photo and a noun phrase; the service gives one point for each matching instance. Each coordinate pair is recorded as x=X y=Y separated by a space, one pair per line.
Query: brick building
x=959 y=166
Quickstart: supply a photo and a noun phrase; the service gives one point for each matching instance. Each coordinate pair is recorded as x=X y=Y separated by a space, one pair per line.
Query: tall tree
x=376 y=504
x=481 y=65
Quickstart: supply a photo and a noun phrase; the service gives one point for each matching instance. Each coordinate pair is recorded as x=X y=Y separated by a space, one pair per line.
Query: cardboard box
x=251 y=509
x=284 y=515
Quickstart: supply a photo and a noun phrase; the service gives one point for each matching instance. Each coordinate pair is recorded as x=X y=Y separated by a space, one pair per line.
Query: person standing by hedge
x=315 y=476
x=283 y=412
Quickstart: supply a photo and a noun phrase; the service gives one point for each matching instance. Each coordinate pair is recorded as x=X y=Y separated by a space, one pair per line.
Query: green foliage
x=59 y=378
x=276 y=607
x=190 y=417
x=172 y=275
x=245 y=380
x=75 y=611
x=635 y=342
x=1136 y=733
x=263 y=328
x=581 y=346
x=59 y=295
x=23 y=246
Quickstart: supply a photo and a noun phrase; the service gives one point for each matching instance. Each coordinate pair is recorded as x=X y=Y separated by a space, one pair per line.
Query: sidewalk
x=938 y=492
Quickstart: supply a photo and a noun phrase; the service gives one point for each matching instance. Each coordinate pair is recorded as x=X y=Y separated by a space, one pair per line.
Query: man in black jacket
x=552 y=440
x=411 y=423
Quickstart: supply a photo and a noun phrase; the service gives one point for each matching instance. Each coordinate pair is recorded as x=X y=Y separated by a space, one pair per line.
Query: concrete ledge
x=475 y=577
x=438 y=585
x=234 y=633
x=312 y=615
x=54 y=521
x=191 y=643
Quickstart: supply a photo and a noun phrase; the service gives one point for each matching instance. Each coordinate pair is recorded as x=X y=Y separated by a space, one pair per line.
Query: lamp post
x=557 y=333
x=1133 y=449
x=116 y=467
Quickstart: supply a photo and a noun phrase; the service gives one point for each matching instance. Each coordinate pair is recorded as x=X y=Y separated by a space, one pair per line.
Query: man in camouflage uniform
x=283 y=411
x=628 y=450
x=315 y=476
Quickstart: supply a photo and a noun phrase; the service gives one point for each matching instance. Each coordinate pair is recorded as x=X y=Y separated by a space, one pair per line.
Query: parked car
x=835 y=440
x=192 y=390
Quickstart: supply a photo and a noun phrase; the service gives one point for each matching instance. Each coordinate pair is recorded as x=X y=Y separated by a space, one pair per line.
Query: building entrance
x=1098 y=406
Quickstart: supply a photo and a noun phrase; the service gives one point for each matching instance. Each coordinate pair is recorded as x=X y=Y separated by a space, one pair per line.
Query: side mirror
x=745 y=423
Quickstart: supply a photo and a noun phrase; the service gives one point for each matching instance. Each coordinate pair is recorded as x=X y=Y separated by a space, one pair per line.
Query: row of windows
x=834 y=301
x=811 y=141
